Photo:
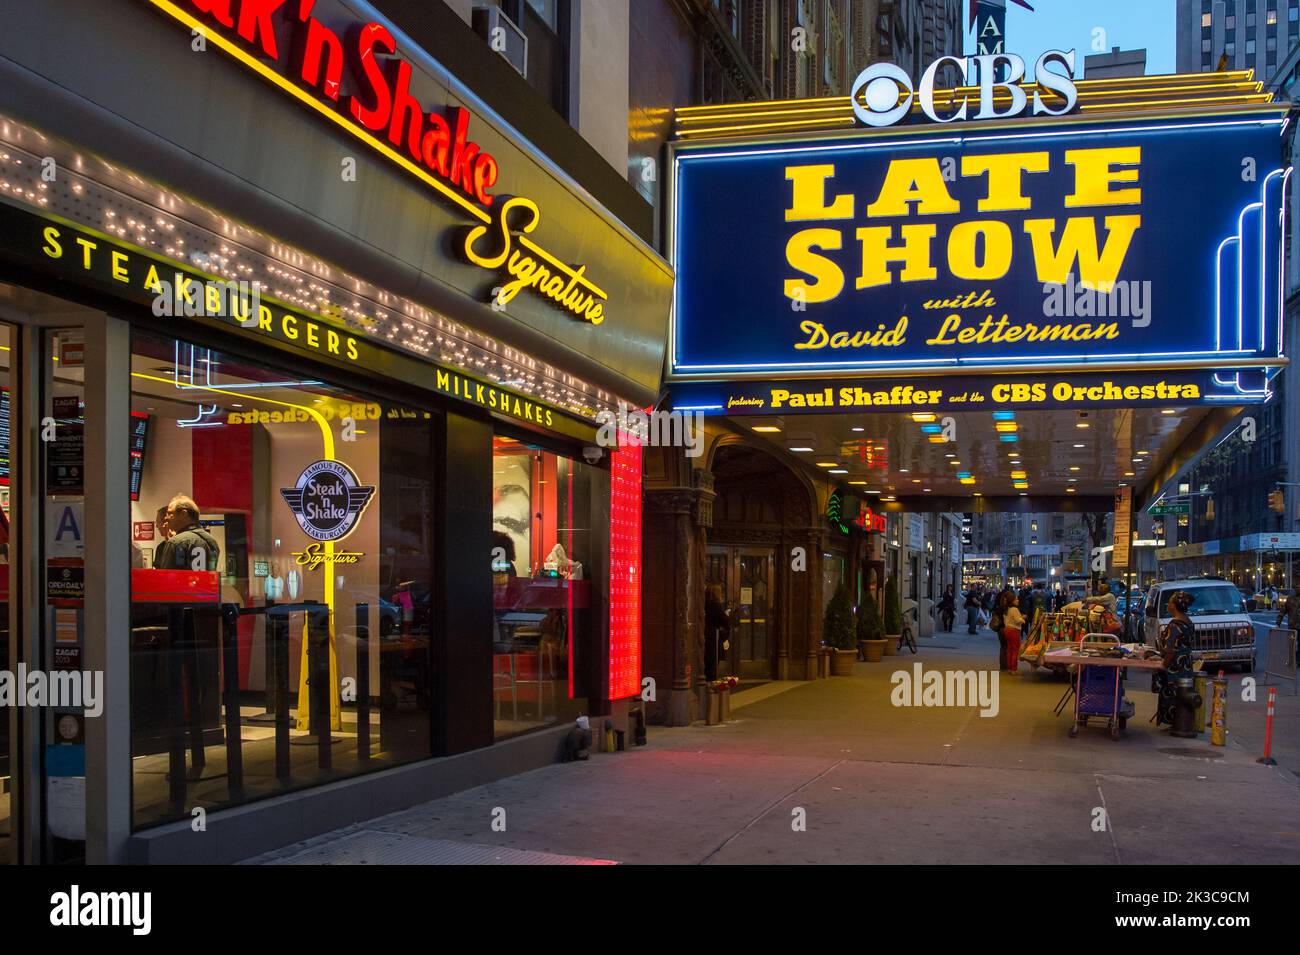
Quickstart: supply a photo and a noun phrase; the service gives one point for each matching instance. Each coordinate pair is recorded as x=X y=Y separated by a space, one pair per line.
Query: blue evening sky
x=1069 y=24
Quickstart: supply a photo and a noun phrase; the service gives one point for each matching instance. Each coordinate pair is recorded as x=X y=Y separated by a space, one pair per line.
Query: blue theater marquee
x=1065 y=246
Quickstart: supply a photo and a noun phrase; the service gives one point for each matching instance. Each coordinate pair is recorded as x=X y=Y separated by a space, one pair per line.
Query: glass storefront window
x=544 y=564
x=281 y=581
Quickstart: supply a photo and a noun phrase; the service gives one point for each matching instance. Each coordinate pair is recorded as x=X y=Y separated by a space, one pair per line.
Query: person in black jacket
x=717 y=631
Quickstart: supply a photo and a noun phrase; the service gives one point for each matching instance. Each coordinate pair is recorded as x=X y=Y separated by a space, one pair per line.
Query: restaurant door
x=745 y=576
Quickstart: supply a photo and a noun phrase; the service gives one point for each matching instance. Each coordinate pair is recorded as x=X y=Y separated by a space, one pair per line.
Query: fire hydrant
x=1186 y=702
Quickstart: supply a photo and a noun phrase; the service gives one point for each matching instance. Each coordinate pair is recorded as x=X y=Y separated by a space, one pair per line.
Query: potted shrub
x=840 y=631
x=893 y=616
x=871 y=632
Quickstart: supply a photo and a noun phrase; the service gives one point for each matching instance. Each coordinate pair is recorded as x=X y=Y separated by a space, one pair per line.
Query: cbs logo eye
x=877 y=92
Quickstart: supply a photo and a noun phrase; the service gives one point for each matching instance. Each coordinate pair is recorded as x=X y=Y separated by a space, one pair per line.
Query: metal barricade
x=1280 y=660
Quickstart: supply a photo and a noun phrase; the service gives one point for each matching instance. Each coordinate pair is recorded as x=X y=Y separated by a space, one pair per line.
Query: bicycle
x=906 y=638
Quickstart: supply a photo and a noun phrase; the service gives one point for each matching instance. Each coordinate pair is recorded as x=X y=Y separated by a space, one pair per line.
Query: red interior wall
x=222 y=481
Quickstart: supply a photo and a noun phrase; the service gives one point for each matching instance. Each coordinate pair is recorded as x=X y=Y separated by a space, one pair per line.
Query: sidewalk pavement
x=875 y=783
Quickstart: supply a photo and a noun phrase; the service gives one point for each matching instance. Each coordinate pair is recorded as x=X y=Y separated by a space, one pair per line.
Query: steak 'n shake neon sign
x=379 y=108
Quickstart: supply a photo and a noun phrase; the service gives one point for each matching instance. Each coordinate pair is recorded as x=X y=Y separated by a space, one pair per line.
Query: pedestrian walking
x=947 y=609
x=972 y=608
x=996 y=621
x=1013 y=621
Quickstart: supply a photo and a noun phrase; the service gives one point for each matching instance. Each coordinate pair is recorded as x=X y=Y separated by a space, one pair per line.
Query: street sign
x=1159 y=510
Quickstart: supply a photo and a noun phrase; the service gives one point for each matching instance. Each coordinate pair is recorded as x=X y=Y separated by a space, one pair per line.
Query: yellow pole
x=1219 y=712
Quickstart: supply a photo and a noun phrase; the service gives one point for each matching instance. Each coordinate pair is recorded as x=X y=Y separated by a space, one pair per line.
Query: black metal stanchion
x=192 y=663
x=176 y=707
x=363 y=682
x=268 y=647
x=230 y=700
x=278 y=633
x=318 y=681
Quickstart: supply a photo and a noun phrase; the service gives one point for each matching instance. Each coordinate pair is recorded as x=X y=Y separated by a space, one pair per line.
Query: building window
x=1230 y=49
x=1293 y=13
x=546 y=25
x=289 y=579
x=1272 y=18
x=1207 y=19
x=1205 y=59
x=545 y=563
x=1250 y=46
x=1205 y=46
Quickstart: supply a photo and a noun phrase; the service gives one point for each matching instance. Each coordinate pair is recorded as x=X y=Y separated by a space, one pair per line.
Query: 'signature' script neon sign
x=381 y=110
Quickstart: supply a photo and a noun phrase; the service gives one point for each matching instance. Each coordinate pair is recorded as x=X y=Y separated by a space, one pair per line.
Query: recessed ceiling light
x=801 y=449
x=837 y=471
x=1072 y=480
x=870 y=491
x=828 y=464
x=859 y=484
x=1082 y=424
x=1023 y=494
x=767 y=428
x=1074 y=467
x=927 y=490
x=858 y=429
x=1080 y=445
x=1169 y=411
x=916 y=480
x=904 y=471
x=1144 y=453
x=1129 y=474
x=950 y=455
x=1070 y=490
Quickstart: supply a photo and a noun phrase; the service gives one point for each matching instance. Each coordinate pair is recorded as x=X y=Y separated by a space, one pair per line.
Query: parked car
x=1225 y=634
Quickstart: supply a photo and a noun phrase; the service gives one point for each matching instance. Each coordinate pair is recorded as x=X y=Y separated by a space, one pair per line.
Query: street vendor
x=1176 y=651
x=1103 y=598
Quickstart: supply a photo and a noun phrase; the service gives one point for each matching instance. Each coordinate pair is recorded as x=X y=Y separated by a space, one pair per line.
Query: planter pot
x=715 y=708
x=891 y=644
x=842 y=662
x=875 y=650
x=824 y=663
x=724 y=706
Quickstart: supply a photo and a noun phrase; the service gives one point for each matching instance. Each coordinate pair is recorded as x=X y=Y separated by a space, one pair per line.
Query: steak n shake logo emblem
x=327 y=500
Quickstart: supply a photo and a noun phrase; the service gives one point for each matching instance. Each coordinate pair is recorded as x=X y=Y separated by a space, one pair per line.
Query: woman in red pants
x=1013 y=621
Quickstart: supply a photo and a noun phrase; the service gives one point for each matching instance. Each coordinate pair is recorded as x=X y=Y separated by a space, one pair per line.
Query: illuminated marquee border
x=681 y=153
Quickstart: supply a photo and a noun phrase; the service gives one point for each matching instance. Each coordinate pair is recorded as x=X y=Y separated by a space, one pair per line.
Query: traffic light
x=1277 y=501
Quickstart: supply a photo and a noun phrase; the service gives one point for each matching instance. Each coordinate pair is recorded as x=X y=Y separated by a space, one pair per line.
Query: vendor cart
x=1098 y=687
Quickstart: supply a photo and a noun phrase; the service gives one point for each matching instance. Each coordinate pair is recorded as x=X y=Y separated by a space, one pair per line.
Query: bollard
x=1201 y=682
x=1267 y=759
x=1219 y=711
